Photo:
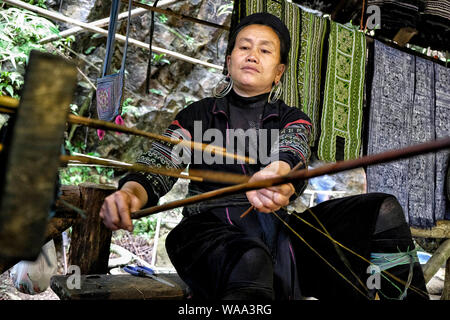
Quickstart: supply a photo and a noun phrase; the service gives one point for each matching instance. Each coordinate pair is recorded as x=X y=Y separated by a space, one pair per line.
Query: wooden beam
x=140 y=44
x=30 y=160
x=441 y=231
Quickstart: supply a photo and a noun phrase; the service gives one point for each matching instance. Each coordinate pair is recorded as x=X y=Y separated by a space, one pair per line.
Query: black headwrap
x=269 y=20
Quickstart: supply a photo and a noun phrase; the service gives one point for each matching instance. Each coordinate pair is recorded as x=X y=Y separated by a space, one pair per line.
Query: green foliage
x=129 y=108
x=10 y=83
x=20 y=32
x=159 y=58
x=39 y=3
x=145 y=226
x=74 y=175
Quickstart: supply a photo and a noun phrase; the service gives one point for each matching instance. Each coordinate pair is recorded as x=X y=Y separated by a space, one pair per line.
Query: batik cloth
x=442 y=123
x=344 y=93
x=403 y=112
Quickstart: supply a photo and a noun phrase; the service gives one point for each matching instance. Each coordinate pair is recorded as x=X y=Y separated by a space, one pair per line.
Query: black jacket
x=294 y=133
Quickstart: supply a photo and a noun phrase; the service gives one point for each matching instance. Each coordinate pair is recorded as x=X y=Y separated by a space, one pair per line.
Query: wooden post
x=446 y=292
x=91 y=240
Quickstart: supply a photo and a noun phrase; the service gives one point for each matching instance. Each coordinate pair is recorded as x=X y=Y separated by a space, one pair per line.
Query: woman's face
x=254 y=64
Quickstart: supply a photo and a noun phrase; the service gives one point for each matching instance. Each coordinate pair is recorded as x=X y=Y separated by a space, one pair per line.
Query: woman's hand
x=117 y=207
x=272 y=198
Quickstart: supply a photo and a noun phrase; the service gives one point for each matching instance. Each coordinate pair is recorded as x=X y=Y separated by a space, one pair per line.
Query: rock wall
x=174 y=85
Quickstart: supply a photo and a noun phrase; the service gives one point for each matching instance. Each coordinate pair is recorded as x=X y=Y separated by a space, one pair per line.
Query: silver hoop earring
x=223 y=87
x=275 y=93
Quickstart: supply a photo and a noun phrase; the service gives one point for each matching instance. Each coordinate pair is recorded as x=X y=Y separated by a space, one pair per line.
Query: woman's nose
x=252 y=56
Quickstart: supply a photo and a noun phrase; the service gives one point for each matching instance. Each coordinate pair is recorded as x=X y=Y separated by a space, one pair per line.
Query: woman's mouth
x=250 y=69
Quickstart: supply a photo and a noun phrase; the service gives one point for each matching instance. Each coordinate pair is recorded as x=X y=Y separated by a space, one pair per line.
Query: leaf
x=10 y=90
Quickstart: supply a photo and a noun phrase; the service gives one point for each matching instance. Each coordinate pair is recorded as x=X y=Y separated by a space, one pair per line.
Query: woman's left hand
x=272 y=198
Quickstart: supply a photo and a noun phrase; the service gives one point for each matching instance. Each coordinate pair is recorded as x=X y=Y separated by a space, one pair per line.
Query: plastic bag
x=34 y=277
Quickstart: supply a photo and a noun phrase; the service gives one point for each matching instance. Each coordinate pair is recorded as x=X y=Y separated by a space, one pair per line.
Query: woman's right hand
x=117 y=207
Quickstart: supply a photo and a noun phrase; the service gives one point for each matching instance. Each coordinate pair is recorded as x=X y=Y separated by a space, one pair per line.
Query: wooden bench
x=119 y=287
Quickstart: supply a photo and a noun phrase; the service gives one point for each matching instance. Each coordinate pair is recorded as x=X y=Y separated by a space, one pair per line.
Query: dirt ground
x=138 y=245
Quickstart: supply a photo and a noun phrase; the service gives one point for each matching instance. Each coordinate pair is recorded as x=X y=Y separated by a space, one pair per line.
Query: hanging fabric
x=313 y=31
x=442 y=123
x=341 y=122
x=110 y=86
x=409 y=105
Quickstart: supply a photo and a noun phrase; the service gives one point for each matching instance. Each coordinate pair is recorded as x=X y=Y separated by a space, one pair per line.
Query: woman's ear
x=228 y=61
x=280 y=70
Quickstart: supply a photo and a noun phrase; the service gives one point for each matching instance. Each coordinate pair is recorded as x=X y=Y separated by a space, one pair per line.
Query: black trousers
x=205 y=250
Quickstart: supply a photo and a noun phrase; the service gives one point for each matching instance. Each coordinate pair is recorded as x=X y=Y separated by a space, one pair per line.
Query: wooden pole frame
x=87 y=26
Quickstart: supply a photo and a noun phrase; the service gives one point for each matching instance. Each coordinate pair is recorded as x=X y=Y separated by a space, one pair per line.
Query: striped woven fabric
x=302 y=78
x=439 y=8
x=344 y=88
x=310 y=68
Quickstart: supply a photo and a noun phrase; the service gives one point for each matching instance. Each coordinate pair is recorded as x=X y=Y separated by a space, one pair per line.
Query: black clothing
x=210 y=247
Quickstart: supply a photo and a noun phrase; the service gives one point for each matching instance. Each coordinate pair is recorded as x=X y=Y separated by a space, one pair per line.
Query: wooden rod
x=105 y=125
x=130 y=167
x=98 y=23
x=86 y=26
x=304 y=174
x=296 y=167
x=177 y=15
x=195 y=175
x=12 y=103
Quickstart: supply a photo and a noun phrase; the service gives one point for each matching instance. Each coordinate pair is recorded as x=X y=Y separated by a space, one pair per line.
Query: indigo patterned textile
x=409 y=105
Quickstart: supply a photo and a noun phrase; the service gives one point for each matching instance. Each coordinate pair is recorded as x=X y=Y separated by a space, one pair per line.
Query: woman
x=218 y=254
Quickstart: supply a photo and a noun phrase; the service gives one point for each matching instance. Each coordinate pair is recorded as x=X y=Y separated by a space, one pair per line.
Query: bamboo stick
x=195 y=175
x=99 y=124
x=140 y=44
x=297 y=166
x=11 y=103
x=177 y=15
x=340 y=166
x=98 y=23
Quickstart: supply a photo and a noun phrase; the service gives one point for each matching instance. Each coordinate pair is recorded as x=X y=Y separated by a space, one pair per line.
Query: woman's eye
x=265 y=51
x=244 y=48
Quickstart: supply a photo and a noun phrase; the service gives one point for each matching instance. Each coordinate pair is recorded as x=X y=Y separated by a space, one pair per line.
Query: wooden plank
x=441 y=231
x=91 y=240
x=31 y=157
x=119 y=287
